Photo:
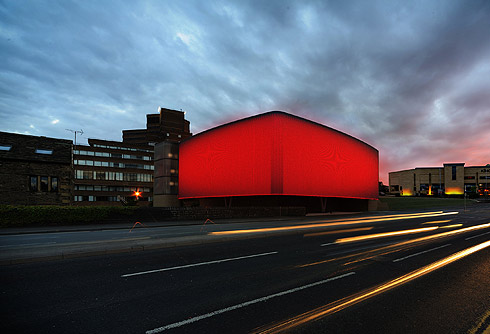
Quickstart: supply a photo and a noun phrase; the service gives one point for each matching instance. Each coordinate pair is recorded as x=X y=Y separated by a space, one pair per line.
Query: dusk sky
x=411 y=78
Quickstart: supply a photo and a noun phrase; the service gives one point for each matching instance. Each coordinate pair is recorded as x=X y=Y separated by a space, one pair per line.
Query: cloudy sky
x=411 y=78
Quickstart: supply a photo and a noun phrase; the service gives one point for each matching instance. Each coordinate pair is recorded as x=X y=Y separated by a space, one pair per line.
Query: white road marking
x=198 y=264
x=330 y=243
x=234 y=307
x=426 y=251
x=476 y=236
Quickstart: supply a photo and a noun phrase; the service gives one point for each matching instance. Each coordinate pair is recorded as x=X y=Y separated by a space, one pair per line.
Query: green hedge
x=17 y=216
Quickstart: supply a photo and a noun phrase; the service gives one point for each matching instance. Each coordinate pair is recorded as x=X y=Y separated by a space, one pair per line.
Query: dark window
x=453 y=170
x=54 y=184
x=44 y=183
x=33 y=183
x=486 y=177
x=469 y=177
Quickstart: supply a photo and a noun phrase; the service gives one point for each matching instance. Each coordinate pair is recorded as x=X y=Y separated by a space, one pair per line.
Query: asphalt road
x=304 y=280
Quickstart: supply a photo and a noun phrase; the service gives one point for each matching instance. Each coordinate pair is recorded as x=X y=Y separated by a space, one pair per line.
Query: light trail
x=451 y=226
x=437 y=222
x=368 y=293
x=350 y=221
x=395 y=247
x=385 y=234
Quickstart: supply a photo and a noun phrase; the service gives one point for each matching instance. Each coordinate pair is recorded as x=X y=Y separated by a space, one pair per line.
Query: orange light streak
x=451 y=226
x=386 y=234
x=338 y=223
x=371 y=292
x=395 y=247
x=437 y=222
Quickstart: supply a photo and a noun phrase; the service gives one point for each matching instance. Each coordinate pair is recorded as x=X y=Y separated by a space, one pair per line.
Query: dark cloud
x=410 y=78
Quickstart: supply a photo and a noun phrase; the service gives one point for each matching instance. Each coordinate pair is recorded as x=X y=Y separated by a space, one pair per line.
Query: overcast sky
x=411 y=78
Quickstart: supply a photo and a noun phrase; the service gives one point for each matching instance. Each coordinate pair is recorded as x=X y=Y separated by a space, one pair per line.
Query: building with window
x=167 y=125
x=107 y=172
x=451 y=179
x=35 y=170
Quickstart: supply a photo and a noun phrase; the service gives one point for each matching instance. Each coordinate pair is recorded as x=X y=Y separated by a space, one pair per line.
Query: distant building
x=167 y=125
x=451 y=179
x=35 y=170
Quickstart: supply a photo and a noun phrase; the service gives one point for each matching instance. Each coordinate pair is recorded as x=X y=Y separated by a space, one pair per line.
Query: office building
x=109 y=172
x=451 y=179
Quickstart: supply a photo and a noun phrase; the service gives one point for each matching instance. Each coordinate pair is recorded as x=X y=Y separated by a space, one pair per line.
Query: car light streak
x=399 y=246
x=437 y=222
x=336 y=223
x=386 y=234
x=368 y=293
x=451 y=226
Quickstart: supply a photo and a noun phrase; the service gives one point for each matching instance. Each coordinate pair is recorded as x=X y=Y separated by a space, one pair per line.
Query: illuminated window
x=48 y=152
x=33 y=183
x=5 y=147
x=44 y=183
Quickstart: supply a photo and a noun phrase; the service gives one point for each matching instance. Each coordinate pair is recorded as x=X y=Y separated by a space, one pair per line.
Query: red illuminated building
x=281 y=160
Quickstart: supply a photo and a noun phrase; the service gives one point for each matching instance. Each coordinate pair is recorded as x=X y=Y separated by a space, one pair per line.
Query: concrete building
x=451 y=179
x=107 y=172
x=35 y=170
x=167 y=125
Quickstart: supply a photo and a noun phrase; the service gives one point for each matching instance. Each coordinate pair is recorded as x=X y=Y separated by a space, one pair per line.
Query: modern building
x=35 y=170
x=107 y=172
x=272 y=159
x=451 y=179
x=167 y=125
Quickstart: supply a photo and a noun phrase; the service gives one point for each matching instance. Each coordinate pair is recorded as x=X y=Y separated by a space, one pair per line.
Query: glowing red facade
x=277 y=154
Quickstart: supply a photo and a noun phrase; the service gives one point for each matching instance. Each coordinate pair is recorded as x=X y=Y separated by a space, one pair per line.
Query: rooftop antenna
x=75 y=132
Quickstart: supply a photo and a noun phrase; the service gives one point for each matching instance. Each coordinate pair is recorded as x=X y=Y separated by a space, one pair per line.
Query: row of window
x=112 y=176
x=105 y=199
x=43 y=183
x=123 y=148
x=111 y=164
x=110 y=188
x=484 y=177
x=112 y=155
x=38 y=150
